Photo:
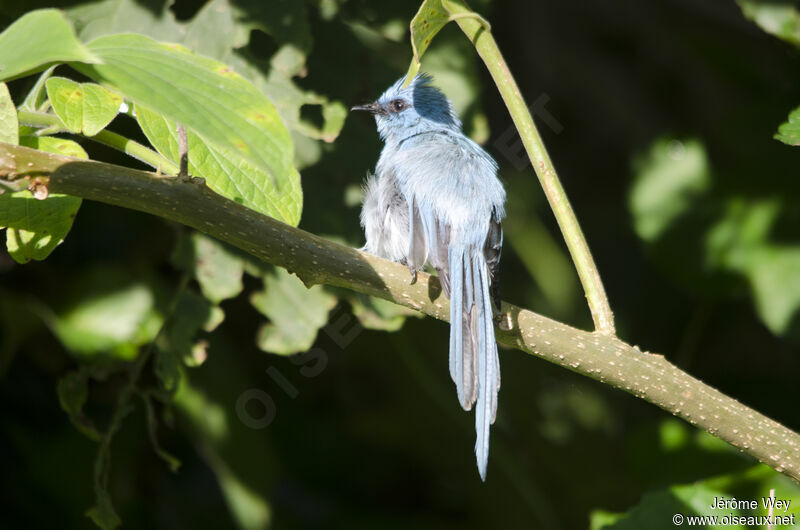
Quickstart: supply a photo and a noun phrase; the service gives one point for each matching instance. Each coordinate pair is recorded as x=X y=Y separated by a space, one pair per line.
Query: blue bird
x=435 y=199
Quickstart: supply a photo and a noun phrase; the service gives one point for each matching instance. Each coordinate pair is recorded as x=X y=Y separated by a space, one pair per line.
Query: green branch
x=319 y=261
x=486 y=47
x=53 y=124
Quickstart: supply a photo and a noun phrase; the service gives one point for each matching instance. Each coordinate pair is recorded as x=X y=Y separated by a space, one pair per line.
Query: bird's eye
x=397 y=105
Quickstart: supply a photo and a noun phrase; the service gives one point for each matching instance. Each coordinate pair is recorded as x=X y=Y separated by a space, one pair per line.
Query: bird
x=435 y=199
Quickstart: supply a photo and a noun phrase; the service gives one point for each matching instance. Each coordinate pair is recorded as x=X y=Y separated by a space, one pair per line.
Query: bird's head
x=420 y=106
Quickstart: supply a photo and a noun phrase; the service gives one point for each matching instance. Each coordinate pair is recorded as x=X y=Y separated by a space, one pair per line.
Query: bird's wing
x=492 y=251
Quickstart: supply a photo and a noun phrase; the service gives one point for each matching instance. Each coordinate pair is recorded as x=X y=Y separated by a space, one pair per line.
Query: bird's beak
x=374 y=108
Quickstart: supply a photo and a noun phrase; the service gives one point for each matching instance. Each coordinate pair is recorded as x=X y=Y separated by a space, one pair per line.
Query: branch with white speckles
x=319 y=261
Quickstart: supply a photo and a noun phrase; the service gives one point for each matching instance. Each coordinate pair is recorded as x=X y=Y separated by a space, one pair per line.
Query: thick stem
x=317 y=260
x=576 y=243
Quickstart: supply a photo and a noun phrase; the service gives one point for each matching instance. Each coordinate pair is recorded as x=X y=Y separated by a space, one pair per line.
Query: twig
x=487 y=48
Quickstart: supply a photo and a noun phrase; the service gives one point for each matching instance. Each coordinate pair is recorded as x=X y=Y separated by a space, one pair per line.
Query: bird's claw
x=413 y=275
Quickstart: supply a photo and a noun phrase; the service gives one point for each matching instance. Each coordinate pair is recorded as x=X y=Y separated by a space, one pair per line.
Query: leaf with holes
x=217 y=267
x=37 y=40
x=296 y=313
x=431 y=17
x=235 y=179
x=204 y=95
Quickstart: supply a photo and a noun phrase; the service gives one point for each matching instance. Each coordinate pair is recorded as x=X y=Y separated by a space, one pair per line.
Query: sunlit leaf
x=296 y=313
x=54 y=144
x=37 y=40
x=431 y=17
x=233 y=178
x=112 y=319
x=778 y=19
x=83 y=107
x=34 y=228
x=204 y=95
x=9 y=125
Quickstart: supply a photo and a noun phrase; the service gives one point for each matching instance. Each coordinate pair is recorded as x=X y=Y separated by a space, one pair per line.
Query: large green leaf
x=83 y=107
x=9 y=124
x=296 y=313
x=221 y=31
x=37 y=40
x=233 y=178
x=204 y=95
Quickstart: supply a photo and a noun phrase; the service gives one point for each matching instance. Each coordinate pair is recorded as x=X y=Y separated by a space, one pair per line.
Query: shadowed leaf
x=296 y=313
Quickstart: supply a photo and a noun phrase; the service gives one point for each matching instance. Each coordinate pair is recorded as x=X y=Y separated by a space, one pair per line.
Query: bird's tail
x=474 y=363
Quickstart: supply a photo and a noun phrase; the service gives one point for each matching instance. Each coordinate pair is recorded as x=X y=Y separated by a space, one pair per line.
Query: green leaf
x=432 y=16
x=102 y=513
x=221 y=31
x=204 y=95
x=233 y=178
x=657 y=509
x=789 y=132
x=667 y=181
x=73 y=392
x=83 y=107
x=113 y=318
x=740 y=242
x=296 y=313
x=37 y=40
x=217 y=267
x=192 y=313
x=9 y=124
x=53 y=144
x=780 y=20
x=34 y=227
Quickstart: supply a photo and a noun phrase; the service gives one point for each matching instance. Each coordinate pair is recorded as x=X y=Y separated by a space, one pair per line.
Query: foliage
x=132 y=325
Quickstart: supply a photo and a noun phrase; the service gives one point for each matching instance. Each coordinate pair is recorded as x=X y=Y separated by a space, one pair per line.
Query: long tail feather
x=474 y=363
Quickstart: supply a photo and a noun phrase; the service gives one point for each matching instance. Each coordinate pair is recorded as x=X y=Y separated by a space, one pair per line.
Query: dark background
x=377 y=439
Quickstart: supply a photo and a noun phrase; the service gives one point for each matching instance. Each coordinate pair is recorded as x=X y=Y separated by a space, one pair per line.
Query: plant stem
x=487 y=48
x=126 y=145
x=316 y=260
